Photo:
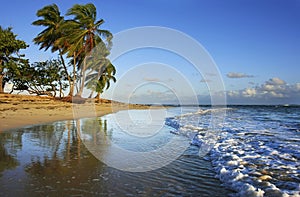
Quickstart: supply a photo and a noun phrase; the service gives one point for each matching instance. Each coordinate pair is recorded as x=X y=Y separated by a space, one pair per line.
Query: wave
x=255 y=153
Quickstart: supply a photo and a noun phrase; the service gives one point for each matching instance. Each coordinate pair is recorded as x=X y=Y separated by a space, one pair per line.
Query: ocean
x=257 y=152
x=176 y=151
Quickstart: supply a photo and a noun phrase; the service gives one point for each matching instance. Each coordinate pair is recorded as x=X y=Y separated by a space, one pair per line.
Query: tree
x=26 y=77
x=20 y=73
x=9 y=53
x=102 y=71
x=76 y=38
x=104 y=80
x=99 y=81
x=85 y=34
x=52 y=20
x=53 y=77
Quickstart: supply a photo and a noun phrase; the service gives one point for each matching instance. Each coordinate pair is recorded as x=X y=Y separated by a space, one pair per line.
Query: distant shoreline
x=24 y=110
x=228 y=105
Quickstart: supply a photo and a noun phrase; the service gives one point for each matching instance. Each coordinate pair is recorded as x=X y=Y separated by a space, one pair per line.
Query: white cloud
x=268 y=87
x=275 y=90
x=233 y=93
x=275 y=81
x=297 y=86
x=276 y=94
x=238 y=75
x=249 y=92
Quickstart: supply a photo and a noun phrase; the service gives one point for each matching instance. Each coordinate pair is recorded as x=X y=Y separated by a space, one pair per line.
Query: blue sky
x=255 y=44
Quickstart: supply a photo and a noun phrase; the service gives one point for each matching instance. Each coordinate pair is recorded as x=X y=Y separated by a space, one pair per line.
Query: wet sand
x=23 y=110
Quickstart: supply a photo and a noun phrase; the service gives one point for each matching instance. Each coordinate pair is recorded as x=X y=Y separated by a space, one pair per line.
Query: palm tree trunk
x=98 y=75
x=71 y=89
x=67 y=73
x=74 y=75
x=98 y=96
x=82 y=78
x=78 y=127
x=69 y=140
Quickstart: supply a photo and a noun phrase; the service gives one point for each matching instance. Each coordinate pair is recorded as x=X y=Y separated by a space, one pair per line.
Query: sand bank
x=22 y=110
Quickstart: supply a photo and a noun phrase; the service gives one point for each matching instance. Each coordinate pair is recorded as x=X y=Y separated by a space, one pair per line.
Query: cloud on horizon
x=236 y=75
x=273 y=91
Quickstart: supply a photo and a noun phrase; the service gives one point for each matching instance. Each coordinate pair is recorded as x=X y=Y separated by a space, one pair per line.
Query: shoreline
x=18 y=111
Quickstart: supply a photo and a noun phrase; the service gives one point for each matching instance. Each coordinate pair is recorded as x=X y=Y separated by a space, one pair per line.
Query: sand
x=23 y=110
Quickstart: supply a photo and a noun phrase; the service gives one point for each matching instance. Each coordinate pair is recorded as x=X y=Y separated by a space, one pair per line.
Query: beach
x=104 y=156
x=256 y=152
x=24 y=110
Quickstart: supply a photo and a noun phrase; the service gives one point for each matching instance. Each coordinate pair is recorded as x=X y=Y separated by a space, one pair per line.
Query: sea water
x=56 y=159
x=249 y=151
x=257 y=152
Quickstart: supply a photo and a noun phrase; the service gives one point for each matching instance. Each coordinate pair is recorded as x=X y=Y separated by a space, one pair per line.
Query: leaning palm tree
x=85 y=34
x=52 y=20
x=104 y=80
x=100 y=78
x=96 y=64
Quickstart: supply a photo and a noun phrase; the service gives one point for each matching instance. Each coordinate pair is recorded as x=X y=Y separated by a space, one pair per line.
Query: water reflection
x=7 y=161
x=51 y=160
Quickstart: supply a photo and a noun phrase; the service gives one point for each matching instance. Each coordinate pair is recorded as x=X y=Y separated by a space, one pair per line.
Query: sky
x=255 y=46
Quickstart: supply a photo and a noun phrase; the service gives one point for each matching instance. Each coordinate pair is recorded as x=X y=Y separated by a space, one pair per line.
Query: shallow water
x=53 y=160
x=255 y=152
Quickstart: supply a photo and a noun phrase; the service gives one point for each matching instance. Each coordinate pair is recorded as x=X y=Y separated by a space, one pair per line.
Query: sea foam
x=256 y=153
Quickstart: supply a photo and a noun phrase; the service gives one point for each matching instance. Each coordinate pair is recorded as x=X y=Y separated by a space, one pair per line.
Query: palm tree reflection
x=70 y=165
x=7 y=160
x=58 y=160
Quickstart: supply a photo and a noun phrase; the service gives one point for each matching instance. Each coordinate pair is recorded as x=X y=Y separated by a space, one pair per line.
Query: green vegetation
x=9 y=53
x=82 y=48
x=52 y=20
x=40 y=78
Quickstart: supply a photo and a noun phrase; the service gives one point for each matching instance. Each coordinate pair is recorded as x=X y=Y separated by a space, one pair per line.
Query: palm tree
x=100 y=78
x=52 y=20
x=85 y=34
x=104 y=80
x=97 y=66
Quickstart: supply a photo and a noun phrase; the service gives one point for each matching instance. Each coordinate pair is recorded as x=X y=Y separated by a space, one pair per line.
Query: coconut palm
x=96 y=65
x=52 y=20
x=84 y=34
x=101 y=76
x=104 y=80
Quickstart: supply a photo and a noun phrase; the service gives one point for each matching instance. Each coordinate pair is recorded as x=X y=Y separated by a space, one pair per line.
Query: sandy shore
x=22 y=110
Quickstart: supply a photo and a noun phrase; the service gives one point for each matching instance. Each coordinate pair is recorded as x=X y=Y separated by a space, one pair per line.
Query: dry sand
x=22 y=110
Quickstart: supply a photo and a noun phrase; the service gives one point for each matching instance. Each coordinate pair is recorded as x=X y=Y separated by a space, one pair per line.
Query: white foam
x=249 y=191
x=233 y=163
x=250 y=152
